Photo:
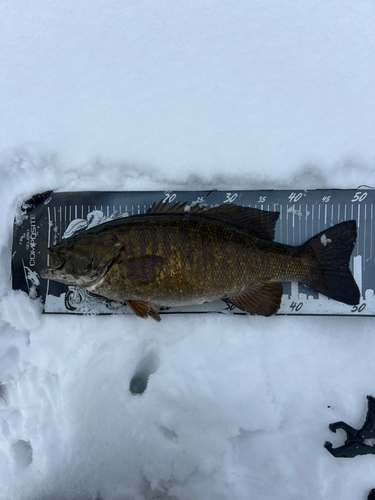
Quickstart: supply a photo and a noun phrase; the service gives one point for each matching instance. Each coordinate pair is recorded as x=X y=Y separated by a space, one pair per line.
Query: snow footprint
x=146 y=367
x=23 y=453
x=32 y=411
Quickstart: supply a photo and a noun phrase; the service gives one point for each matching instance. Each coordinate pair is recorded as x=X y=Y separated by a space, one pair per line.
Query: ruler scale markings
x=60 y=210
x=281 y=223
x=325 y=215
x=293 y=210
x=65 y=218
x=364 y=238
x=318 y=218
x=345 y=212
x=338 y=213
x=332 y=214
x=371 y=232
x=358 y=221
x=287 y=225
x=312 y=219
x=352 y=212
x=359 y=214
x=293 y=217
x=75 y=212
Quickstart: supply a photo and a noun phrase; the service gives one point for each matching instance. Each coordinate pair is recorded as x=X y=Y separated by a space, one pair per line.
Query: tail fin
x=331 y=250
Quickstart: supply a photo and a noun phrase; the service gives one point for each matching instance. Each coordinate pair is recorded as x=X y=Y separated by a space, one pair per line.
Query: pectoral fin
x=264 y=300
x=143 y=309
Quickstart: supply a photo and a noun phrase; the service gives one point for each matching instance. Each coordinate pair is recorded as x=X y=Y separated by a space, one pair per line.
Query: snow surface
x=182 y=95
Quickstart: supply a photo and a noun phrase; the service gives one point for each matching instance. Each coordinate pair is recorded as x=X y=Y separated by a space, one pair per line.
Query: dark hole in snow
x=138 y=384
x=146 y=367
x=23 y=453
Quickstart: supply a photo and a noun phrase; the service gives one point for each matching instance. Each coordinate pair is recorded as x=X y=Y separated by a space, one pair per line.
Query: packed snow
x=124 y=95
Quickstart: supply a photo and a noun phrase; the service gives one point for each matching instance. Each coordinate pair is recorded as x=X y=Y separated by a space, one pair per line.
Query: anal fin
x=143 y=309
x=264 y=300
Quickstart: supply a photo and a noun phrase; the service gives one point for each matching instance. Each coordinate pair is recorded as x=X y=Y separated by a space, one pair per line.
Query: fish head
x=81 y=260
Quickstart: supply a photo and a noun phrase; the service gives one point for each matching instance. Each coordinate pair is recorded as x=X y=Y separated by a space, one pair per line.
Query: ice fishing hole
x=23 y=453
x=146 y=367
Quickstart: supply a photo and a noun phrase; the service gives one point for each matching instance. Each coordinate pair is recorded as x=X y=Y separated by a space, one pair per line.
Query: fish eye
x=70 y=244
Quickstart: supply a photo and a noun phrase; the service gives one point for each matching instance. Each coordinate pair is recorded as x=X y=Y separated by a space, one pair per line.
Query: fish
x=176 y=255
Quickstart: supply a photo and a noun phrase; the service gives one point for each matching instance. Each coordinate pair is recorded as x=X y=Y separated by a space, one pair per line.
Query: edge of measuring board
x=49 y=217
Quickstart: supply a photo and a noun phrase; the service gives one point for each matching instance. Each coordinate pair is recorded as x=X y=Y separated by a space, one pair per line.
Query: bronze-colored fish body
x=175 y=262
x=170 y=257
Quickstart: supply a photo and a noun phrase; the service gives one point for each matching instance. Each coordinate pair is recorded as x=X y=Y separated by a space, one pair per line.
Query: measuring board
x=51 y=217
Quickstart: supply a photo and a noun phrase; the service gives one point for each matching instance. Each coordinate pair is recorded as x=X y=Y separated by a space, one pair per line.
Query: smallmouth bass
x=174 y=257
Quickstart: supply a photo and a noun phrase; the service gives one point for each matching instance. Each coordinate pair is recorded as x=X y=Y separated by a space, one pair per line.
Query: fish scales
x=201 y=260
x=172 y=258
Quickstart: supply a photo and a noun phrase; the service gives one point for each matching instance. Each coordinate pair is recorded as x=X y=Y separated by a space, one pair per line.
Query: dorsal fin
x=176 y=209
x=260 y=223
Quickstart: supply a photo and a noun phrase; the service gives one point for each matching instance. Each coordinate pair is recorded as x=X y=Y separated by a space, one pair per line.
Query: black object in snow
x=355 y=442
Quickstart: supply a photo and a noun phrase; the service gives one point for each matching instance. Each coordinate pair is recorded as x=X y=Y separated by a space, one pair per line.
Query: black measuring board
x=51 y=217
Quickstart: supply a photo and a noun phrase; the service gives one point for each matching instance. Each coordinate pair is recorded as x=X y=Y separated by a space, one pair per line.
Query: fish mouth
x=47 y=273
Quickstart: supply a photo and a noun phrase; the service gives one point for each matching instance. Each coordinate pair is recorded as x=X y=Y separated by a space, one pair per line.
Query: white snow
x=19 y=311
x=127 y=95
